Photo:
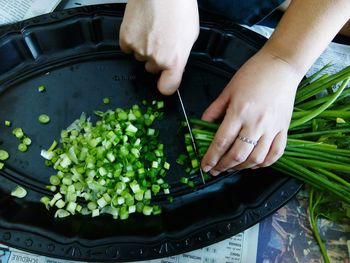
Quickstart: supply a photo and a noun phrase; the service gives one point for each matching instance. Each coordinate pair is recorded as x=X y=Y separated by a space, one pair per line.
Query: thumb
x=170 y=80
x=217 y=109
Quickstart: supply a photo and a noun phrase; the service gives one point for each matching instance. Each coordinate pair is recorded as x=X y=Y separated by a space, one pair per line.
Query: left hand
x=257 y=104
x=161 y=33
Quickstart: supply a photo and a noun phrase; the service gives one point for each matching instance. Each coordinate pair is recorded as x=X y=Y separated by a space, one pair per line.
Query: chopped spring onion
x=46 y=201
x=18 y=133
x=27 y=141
x=41 y=88
x=19 y=192
x=4 y=155
x=106 y=100
x=114 y=166
x=44 y=119
x=61 y=213
x=8 y=123
x=1 y=165
x=22 y=147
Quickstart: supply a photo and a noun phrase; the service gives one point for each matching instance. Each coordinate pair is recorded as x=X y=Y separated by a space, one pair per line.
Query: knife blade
x=190 y=131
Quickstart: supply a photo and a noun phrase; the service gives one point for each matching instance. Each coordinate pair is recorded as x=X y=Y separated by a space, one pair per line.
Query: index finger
x=224 y=137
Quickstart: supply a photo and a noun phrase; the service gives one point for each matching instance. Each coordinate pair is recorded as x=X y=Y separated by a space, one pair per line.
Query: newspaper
x=12 y=11
x=284 y=237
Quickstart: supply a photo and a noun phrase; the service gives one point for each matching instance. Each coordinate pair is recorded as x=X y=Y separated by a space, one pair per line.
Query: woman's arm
x=306 y=29
x=257 y=103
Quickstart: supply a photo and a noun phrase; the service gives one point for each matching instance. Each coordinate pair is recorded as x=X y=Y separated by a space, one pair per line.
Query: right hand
x=161 y=33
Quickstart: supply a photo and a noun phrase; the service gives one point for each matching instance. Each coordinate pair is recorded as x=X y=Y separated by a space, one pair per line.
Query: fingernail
x=255 y=167
x=214 y=172
x=231 y=170
x=207 y=168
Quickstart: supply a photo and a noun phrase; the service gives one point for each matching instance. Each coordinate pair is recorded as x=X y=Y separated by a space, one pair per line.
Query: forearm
x=306 y=29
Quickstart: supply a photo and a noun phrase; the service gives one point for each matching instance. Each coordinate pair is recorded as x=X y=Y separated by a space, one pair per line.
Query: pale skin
x=258 y=101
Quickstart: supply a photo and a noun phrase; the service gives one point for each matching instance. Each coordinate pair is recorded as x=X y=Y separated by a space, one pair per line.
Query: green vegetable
x=112 y=167
x=8 y=123
x=22 y=147
x=321 y=204
x=41 y=88
x=1 y=165
x=19 y=192
x=44 y=119
x=4 y=155
x=18 y=133
x=27 y=141
x=106 y=100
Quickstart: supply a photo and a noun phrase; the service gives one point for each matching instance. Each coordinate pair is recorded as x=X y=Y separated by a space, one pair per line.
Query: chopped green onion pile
x=318 y=145
x=114 y=166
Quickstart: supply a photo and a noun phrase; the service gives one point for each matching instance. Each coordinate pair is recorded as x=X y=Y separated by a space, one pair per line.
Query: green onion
x=22 y=147
x=27 y=141
x=114 y=166
x=44 y=119
x=318 y=145
x=4 y=155
x=41 y=88
x=8 y=123
x=19 y=192
x=106 y=100
x=18 y=133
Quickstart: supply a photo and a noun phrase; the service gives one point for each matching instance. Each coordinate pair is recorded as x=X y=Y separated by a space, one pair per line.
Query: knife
x=190 y=131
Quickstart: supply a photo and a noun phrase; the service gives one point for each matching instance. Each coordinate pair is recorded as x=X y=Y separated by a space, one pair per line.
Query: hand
x=256 y=104
x=161 y=34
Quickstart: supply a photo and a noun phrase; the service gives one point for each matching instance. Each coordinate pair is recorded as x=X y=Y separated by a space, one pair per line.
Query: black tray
x=74 y=53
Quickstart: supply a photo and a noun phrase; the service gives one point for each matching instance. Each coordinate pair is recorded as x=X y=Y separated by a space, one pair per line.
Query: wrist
x=296 y=67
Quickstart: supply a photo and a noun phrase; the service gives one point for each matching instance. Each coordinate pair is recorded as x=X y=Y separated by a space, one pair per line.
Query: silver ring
x=247 y=140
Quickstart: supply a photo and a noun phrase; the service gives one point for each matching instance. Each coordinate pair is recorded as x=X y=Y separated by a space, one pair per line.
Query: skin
x=161 y=34
x=258 y=101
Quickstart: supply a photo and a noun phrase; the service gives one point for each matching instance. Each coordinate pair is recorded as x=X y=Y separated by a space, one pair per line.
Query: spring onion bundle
x=112 y=167
x=318 y=145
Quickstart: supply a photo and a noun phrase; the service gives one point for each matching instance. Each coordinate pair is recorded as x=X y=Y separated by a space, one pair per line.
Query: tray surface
x=74 y=54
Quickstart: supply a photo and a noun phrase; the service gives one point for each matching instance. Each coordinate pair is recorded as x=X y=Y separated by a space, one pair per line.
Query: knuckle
x=240 y=110
x=209 y=162
x=221 y=142
x=124 y=36
x=256 y=160
x=277 y=153
x=238 y=157
x=262 y=119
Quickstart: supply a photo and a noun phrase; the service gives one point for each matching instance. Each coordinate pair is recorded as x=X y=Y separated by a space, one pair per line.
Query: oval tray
x=74 y=53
